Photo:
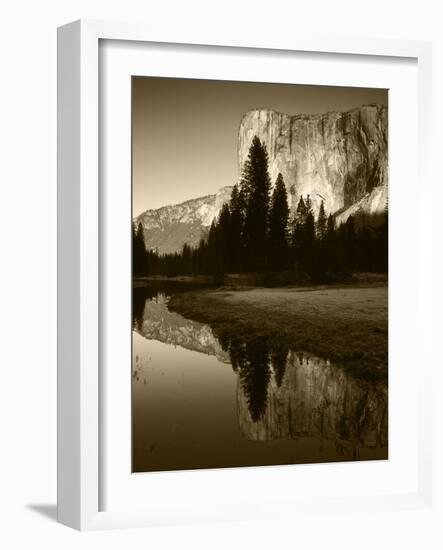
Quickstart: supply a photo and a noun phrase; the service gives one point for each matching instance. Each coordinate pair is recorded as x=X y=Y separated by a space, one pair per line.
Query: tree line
x=254 y=233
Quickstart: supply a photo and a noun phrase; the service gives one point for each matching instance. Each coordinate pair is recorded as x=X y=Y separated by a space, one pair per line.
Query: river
x=199 y=402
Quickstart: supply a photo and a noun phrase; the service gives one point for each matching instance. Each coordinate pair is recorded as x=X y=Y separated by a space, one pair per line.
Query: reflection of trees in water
x=279 y=357
x=155 y=291
x=139 y=297
x=254 y=361
x=255 y=374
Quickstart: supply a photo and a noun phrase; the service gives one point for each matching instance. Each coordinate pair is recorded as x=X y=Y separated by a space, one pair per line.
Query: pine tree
x=350 y=244
x=330 y=226
x=256 y=187
x=139 y=255
x=224 y=238
x=298 y=230
x=244 y=192
x=382 y=242
x=308 y=204
x=278 y=226
x=237 y=209
x=309 y=244
x=185 y=260
x=330 y=251
x=214 y=263
x=134 y=250
x=322 y=222
x=303 y=236
x=301 y=212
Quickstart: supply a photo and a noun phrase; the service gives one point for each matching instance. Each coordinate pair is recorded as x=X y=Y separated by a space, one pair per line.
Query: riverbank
x=347 y=325
x=142 y=281
x=271 y=279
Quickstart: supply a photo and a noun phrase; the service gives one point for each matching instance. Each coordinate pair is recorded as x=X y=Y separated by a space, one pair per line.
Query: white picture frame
x=80 y=295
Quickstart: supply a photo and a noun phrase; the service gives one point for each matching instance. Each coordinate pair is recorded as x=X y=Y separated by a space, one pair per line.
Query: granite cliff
x=341 y=158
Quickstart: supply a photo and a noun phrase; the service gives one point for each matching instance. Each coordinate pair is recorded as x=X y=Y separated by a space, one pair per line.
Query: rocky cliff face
x=338 y=157
x=168 y=228
x=317 y=399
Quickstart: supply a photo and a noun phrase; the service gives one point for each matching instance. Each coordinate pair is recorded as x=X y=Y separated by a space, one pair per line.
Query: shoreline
x=254 y=280
x=346 y=324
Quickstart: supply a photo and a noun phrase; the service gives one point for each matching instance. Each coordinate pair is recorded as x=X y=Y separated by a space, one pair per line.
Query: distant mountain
x=168 y=228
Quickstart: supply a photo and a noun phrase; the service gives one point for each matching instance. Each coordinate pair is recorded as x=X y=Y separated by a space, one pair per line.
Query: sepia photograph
x=260 y=274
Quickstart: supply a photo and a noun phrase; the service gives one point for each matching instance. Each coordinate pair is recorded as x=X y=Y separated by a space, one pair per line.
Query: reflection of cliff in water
x=316 y=399
x=153 y=320
x=281 y=394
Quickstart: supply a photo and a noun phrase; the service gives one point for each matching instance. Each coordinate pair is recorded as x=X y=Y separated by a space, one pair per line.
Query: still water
x=199 y=402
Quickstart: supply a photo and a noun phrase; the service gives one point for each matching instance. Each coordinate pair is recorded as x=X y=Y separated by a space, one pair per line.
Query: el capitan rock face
x=338 y=157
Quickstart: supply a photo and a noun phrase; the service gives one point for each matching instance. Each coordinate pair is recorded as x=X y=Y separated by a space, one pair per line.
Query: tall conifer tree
x=139 y=254
x=297 y=236
x=237 y=209
x=278 y=226
x=256 y=186
x=224 y=238
x=309 y=245
x=322 y=222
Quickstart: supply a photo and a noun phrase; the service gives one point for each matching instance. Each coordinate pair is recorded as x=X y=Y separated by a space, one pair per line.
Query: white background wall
x=28 y=261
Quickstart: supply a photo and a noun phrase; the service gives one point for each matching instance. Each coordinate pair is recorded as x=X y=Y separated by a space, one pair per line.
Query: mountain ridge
x=169 y=227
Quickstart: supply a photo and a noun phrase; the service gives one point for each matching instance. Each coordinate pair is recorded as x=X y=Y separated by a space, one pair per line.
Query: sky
x=184 y=132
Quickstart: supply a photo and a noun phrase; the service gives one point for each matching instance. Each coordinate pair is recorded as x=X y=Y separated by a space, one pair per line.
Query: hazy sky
x=185 y=131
